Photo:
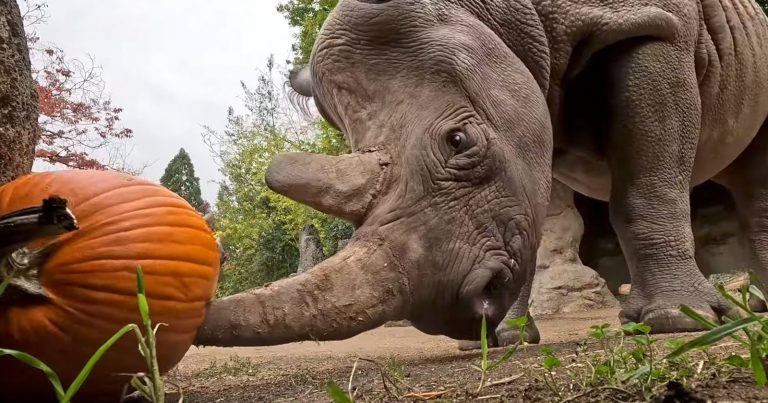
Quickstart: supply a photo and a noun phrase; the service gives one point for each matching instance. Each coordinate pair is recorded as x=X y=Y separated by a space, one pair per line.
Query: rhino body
x=459 y=114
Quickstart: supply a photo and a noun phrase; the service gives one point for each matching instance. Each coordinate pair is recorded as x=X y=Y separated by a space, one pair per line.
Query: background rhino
x=460 y=112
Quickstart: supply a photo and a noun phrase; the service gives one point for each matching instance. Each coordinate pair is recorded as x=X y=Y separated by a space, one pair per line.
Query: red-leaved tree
x=77 y=119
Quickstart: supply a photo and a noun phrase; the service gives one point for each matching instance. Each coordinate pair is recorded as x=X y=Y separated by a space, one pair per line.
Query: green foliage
x=179 y=177
x=259 y=228
x=61 y=395
x=308 y=16
x=486 y=366
x=550 y=363
x=752 y=325
x=763 y=4
x=628 y=359
x=396 y=369
x=150 y=386
x=153 y=388
x=234 y=366
x=337 y=394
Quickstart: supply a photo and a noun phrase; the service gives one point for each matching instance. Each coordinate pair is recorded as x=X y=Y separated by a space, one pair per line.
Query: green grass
x=396 y=369
x=751 y=331
x=486 y=366
x=149 y=386
x=628 y=359
x=233 y=366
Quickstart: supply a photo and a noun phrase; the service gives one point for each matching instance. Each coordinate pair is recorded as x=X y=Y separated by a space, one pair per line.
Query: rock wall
x=562 y=282
x=720 y=245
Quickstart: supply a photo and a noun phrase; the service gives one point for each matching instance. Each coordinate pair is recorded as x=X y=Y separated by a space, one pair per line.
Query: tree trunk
x=310 y=249
x=19 y=130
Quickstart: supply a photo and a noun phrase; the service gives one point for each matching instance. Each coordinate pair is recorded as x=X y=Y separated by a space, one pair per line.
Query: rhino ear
x=300 y=80
x=343 y=186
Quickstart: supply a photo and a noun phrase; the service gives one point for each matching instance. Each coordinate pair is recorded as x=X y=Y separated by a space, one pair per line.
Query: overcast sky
x=173 y=65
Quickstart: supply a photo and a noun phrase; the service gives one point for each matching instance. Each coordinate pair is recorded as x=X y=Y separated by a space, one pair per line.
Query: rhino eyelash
x=299 y=102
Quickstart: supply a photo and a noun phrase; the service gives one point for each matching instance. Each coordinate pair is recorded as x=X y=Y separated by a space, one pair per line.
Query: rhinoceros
x=459 y=114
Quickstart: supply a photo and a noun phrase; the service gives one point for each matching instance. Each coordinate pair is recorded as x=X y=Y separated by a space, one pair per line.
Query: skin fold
x=459 y=114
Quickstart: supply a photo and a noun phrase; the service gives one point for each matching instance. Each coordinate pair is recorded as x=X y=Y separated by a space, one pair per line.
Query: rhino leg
x=747 y=180
x=510 y=335
x=651 y=139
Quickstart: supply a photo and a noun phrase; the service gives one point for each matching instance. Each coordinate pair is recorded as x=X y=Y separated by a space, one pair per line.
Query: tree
x=77 y=120
x=308 y=16
x=179 y=176
x=18 y=99
x=259 y=228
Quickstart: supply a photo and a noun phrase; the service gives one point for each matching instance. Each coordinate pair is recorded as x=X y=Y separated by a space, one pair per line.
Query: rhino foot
x=505 y=336
x=663 y=314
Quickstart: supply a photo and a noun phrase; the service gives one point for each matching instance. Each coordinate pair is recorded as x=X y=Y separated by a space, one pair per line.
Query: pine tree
x=179 y=176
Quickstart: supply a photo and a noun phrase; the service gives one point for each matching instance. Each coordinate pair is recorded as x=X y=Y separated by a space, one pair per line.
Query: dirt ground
x=425 y=367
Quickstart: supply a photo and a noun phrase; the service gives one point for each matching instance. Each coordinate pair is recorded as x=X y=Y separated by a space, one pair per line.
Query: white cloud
x=173 y=65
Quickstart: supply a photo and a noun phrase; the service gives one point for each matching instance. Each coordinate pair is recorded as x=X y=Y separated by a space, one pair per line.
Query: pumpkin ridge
x=69 y=303
x=197 y=255
x=51 y=326
x=119 y=187
x=108 y=325
x=65 y=270
x=188 y=314
x=129 y=211
x=93 y=233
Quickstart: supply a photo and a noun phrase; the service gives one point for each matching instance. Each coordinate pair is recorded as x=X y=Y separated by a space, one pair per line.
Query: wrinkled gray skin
x=460 y=112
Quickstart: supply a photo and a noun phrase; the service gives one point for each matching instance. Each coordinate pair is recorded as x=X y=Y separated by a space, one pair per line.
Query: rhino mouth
x=487 y=292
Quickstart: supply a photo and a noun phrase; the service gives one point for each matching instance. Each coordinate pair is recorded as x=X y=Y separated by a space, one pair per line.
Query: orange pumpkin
x=90 y=282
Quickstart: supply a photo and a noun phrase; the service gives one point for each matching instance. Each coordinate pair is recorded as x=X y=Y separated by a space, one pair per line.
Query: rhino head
x=447 y=184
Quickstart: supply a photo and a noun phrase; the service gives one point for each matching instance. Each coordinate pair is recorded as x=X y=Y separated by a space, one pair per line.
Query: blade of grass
x=335 y=392
x=636 y=374
x=86 y=371
x=142 y=297
x=148 y=342
x=141 y=388
x=507 y=355
x=4 y=285
x=715 y=335
x=733 y=299
x=37 y=364
x=688 y=311
x=756 y=363
x=757 y=292
x=484 y=344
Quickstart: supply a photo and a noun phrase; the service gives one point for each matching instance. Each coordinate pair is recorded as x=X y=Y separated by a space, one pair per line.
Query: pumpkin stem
x=20 y=265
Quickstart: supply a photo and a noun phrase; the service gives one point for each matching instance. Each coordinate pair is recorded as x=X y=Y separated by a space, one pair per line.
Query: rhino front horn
x=342 y=186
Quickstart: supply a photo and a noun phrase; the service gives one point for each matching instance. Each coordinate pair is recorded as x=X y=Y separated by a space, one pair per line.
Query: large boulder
x=562 y=283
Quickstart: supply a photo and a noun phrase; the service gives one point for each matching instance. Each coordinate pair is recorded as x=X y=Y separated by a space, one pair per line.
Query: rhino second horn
x=343 y=186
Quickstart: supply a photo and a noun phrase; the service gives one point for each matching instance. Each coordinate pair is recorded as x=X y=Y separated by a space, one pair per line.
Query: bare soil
x=403 y=364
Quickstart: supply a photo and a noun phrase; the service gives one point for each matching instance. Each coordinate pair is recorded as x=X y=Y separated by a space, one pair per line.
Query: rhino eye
x=457 y=140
